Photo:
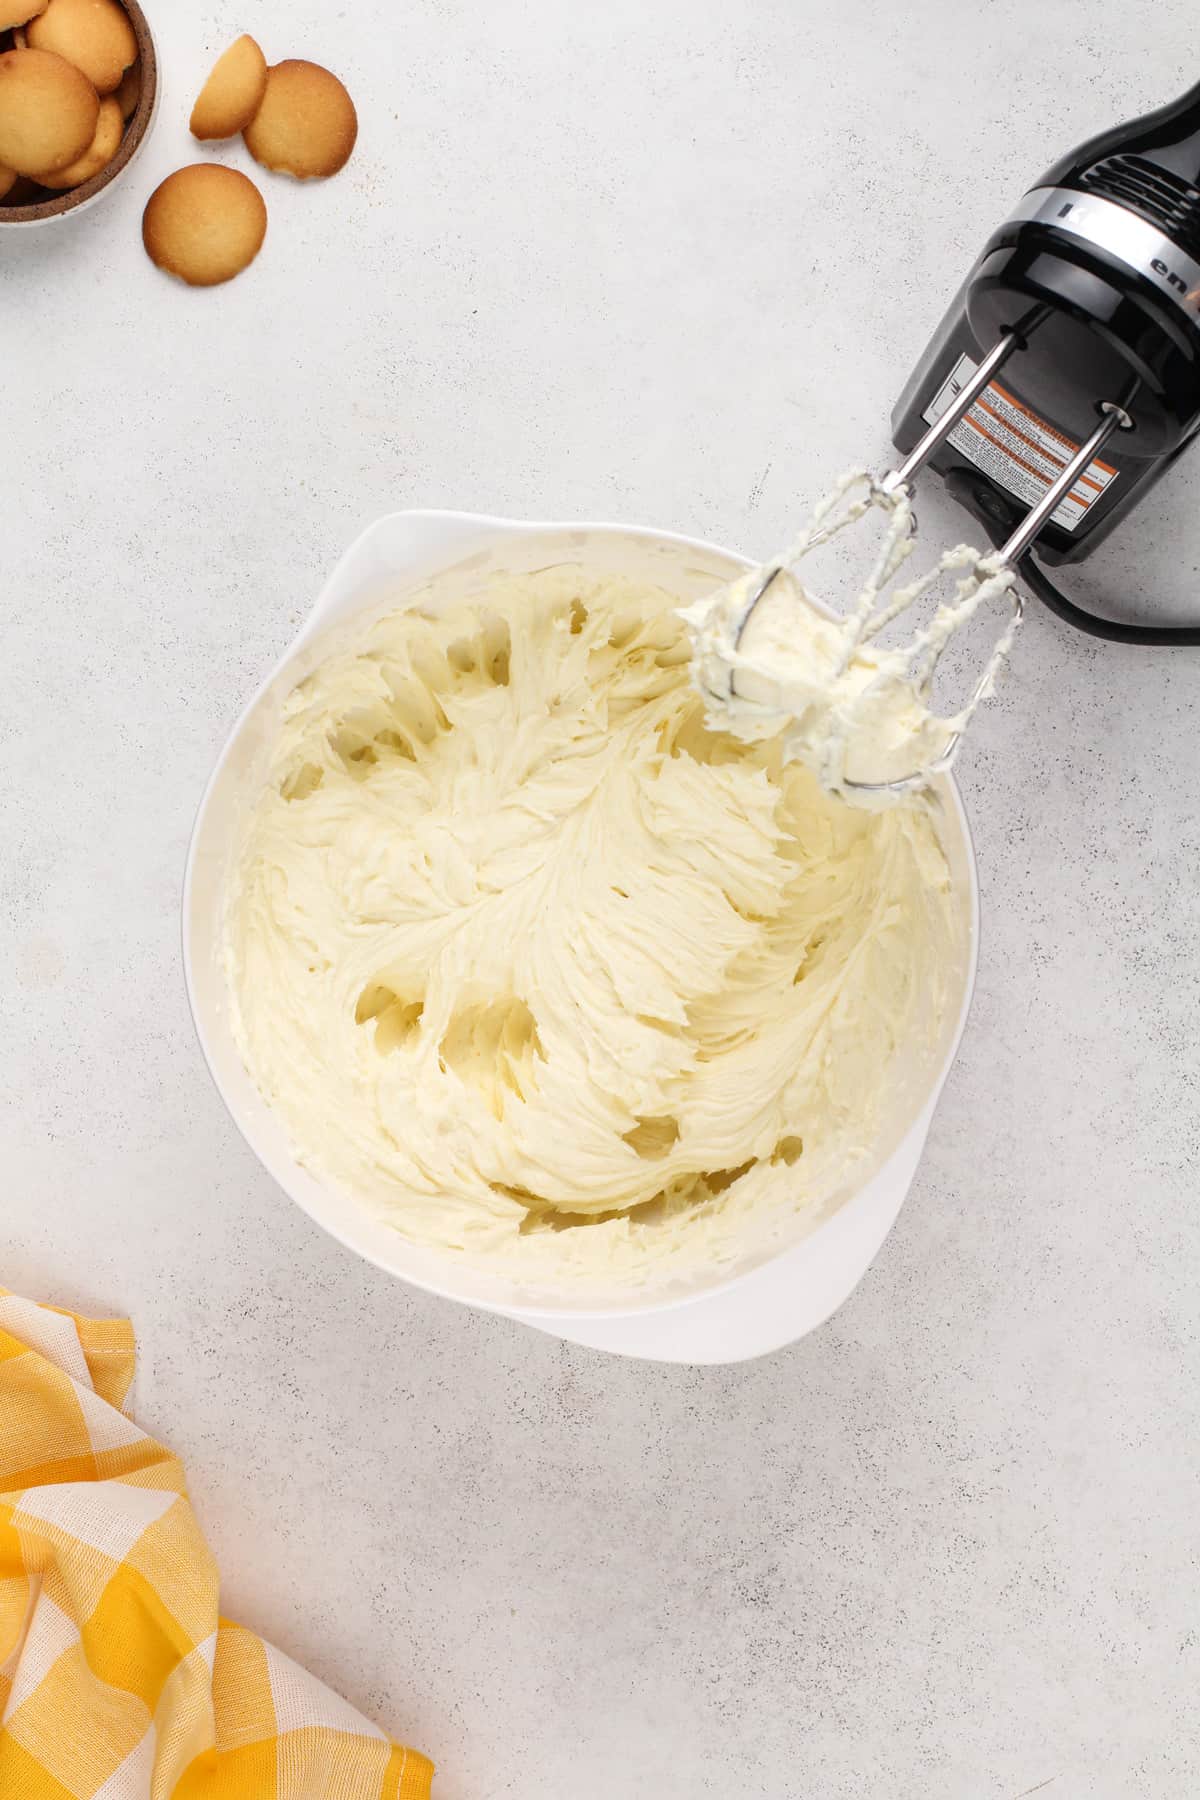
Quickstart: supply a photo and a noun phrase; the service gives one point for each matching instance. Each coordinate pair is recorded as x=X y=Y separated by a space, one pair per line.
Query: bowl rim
x=138 y=125
x=559 y=1316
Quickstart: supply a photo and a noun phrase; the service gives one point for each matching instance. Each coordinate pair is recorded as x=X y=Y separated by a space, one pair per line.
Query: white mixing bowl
x=788 y=1291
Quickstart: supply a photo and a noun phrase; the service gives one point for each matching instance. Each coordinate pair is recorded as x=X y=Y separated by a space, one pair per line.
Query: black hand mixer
x=1061 y=384
x=1067 y=369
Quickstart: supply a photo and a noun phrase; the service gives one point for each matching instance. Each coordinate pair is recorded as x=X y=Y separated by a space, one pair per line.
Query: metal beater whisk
x=982 y=578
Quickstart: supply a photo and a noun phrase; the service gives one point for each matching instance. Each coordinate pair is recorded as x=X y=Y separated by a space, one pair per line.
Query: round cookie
x=110 y=129
x=48 y=111
x=233 y=92
x=306 y=125
x=205 y=223
x=8 y=180
x=95 y=35
x=14 y=13
x=130 y=90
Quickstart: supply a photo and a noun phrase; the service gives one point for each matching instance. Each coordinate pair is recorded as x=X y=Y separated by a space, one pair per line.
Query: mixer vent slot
x=1156 y=194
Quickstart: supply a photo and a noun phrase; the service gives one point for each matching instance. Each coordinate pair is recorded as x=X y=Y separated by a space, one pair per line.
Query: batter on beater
x=772 y=666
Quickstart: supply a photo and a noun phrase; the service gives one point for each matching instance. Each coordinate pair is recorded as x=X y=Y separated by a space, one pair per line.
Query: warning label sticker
x=1017 y=449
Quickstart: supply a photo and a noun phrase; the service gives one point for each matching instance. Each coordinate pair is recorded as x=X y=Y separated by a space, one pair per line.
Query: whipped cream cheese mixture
x=551 y=975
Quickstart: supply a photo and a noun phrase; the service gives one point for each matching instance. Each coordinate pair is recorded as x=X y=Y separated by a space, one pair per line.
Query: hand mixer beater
x=1087 y=298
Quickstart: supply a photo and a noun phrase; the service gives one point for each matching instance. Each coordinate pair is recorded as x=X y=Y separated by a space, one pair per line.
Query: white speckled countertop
x=671 y=263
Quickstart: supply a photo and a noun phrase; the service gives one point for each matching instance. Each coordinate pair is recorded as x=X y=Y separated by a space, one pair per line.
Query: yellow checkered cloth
x=118 y=1679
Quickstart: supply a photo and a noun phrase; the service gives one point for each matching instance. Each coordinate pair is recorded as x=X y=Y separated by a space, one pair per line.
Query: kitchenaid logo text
x=1173 y=279
x=1176 y=281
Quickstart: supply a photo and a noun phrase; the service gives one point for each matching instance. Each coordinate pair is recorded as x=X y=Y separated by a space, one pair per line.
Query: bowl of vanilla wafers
x=78 y=96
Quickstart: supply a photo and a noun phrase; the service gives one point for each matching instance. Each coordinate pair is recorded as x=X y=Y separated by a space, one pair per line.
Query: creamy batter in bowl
x=743 y=1269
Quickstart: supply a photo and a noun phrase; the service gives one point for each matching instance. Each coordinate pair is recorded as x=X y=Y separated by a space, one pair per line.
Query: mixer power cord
x=997 y=519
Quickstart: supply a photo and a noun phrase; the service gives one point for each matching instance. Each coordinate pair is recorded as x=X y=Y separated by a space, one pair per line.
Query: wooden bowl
x=41 y=206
